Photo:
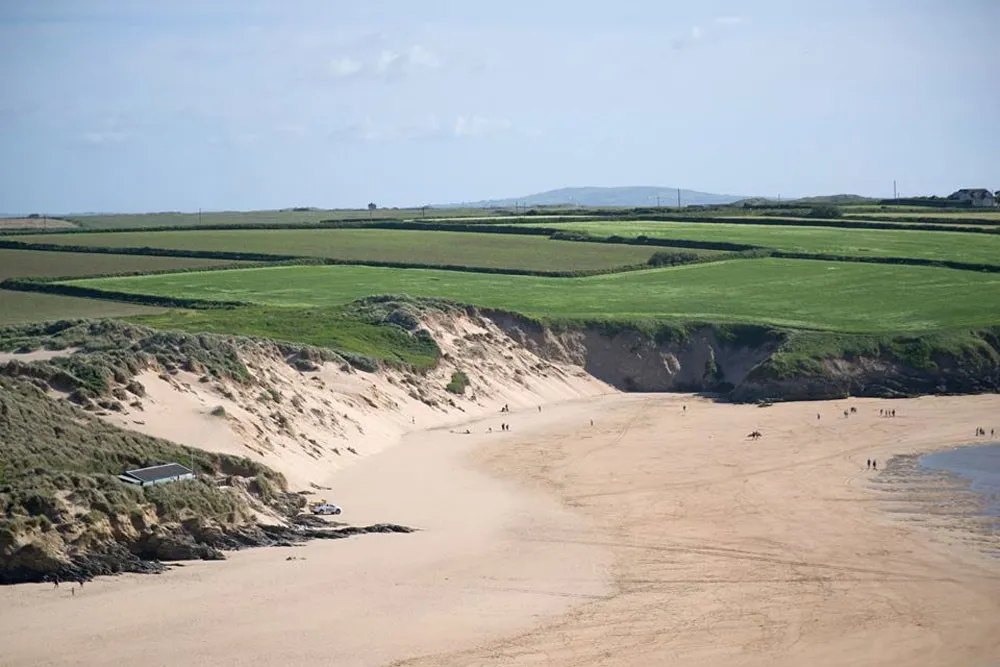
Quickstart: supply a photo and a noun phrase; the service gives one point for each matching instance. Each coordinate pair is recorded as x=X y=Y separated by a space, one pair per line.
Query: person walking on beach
x=55 y=581
x=874 y=464
x=869 y=464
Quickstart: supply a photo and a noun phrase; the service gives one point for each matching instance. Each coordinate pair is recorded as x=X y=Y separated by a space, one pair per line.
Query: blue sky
x=119 y=105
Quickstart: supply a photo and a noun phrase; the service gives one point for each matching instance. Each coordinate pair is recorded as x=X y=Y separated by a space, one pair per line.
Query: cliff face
x=882 y=375
x=704 y=359
x=749 y=364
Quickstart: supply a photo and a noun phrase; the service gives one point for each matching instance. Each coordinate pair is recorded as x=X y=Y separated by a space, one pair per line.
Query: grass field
x=805 y=294
x=956 y=246
x=972 y=216
x=42 y=264
x=34 y=223
x=19 y=307
x=502 y=251
x=337 y=328
x=283 y=216
x=860 y=219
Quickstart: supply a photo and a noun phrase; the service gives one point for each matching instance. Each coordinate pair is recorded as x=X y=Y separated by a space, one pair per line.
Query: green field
x=955 y=246
x=805 y=294
x=43 y=264
x=18 y=307
x=277 y=217
x=339 y=328
x=972 y=216
x=499 y=251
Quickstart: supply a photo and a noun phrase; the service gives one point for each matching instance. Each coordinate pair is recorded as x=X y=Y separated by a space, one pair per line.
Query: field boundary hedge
x=62 y=289
x=909 y=261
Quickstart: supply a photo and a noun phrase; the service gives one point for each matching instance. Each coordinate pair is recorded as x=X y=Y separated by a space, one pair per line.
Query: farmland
x=497 y=251
x=283 y=216
x=18 y=307
x=955 y=246
x=805 y=294
x=43 y=264
x=34 y=223
x=971 y=215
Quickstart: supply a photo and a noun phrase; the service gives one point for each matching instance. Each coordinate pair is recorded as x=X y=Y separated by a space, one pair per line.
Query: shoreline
x=658 y=531
x=940 y=500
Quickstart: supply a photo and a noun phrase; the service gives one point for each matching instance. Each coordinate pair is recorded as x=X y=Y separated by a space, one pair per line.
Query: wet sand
x=655 y=536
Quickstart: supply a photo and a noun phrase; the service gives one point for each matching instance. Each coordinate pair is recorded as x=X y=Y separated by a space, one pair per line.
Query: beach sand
x=655 y=536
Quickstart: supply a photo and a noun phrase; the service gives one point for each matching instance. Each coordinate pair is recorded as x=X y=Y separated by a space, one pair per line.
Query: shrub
x=218 y=411
x=672 y=258
x=459 y=381
x=825 y=211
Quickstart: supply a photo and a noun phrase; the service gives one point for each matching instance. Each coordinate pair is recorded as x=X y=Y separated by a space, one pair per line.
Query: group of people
x=982 y=431
x=56 y=581
x=872 y=464
x=887 y=413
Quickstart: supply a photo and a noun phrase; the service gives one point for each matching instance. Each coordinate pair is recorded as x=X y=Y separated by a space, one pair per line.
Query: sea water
x=978 y=464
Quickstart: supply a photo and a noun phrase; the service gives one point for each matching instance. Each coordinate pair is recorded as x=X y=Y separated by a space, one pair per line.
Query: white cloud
x=421 y=57
x=292 y=130
x=729 y=20
x=696 y=32
x=368 y=129
x=477 y=126
x=389 y=62
x=106 y=137
x=346 y=66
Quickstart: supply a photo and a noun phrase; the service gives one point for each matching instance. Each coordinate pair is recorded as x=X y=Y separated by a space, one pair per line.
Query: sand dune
x=303 y=423
x=655 y=536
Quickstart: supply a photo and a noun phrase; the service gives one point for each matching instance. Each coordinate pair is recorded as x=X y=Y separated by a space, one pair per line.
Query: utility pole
x=199 y=217
x=678 y=197
x=657 y=201
x=894 y=195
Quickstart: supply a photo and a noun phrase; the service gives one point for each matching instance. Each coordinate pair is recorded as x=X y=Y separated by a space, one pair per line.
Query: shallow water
x=978 y=464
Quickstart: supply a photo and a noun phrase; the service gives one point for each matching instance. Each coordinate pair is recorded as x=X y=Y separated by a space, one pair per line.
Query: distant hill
x=599 y=197
x=839 y=200
x=836 y=199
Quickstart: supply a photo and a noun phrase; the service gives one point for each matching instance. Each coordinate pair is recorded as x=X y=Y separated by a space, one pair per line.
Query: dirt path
x=676 y=541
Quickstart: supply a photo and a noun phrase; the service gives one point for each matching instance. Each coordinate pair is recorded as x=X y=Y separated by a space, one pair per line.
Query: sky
x=119 y=105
